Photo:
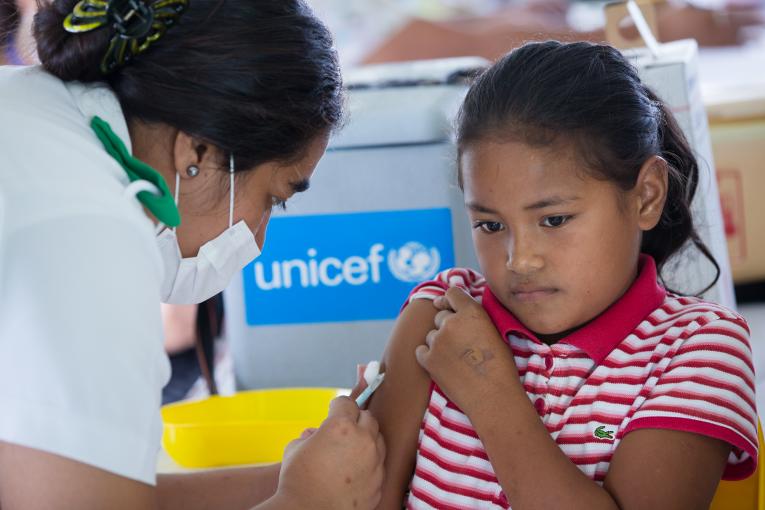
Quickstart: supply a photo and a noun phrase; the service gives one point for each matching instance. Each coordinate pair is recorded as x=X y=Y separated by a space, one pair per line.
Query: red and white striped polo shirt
x=651 y=360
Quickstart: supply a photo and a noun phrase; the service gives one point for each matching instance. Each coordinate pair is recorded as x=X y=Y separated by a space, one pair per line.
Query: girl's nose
x=523 y=259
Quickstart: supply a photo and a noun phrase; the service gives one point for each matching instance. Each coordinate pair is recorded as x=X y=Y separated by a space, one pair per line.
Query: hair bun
x=68 y=56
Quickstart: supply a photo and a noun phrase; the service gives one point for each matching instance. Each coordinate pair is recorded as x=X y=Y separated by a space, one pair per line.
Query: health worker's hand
x=337 y=466
x=464 y=354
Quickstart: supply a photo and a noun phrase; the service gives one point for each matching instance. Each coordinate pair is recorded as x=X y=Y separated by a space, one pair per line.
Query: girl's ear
x=651 y=191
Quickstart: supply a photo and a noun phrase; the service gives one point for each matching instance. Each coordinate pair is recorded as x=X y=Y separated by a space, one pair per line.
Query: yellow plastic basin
x=250 y=427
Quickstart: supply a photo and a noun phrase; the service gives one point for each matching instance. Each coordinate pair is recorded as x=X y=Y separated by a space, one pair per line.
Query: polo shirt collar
x=599 y=337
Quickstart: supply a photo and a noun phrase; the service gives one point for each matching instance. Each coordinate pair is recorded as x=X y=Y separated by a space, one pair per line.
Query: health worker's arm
x=32 y=479
x=650 y=468
x=237 y=488
x=400 y=402
x=335 y=467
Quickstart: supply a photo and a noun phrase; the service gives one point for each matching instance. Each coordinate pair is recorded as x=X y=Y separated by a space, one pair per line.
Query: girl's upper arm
x=668 y=469
x=400 y=402
x=676 y=460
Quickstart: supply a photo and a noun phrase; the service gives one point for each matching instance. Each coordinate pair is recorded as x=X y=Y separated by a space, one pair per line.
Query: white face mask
x=195 y=279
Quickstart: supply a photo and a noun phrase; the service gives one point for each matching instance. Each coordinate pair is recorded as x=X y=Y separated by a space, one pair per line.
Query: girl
x=567 y=374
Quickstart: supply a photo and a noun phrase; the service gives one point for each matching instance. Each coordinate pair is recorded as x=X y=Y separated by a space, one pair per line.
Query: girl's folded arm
x=659 y=468
x=400 y=402
x=651 y=468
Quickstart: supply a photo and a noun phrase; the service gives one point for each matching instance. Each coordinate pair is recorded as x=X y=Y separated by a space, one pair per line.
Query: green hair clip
x=137 y=25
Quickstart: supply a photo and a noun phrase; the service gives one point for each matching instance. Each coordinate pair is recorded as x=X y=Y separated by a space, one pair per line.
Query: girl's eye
x=278 y=202
x=489 y=227
x=555 y=221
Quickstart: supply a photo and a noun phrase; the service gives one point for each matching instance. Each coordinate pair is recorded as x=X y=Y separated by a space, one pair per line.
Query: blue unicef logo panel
x=345 y=267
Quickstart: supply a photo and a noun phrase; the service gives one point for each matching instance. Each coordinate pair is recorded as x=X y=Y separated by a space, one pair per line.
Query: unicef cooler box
x=383 y=214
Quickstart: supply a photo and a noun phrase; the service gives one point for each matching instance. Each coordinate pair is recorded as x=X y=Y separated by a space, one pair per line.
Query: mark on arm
x=477 y=359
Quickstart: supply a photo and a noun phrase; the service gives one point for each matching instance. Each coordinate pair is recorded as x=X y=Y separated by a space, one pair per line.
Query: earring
x=192 y=171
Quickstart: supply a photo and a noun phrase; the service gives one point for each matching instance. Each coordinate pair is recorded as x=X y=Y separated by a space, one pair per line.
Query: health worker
x=139 y=164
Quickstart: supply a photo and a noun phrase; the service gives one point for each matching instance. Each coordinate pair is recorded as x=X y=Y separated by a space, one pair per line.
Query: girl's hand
x=464 y=354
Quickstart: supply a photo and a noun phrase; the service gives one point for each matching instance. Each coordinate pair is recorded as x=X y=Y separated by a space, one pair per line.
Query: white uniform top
x=81 y=358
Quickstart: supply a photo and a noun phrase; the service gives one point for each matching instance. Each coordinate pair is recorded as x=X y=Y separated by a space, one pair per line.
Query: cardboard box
x=674 y=75
x=737 y=128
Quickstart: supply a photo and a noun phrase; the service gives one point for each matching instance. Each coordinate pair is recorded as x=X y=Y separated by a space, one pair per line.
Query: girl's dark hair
x=259 y=79
x=589 y=94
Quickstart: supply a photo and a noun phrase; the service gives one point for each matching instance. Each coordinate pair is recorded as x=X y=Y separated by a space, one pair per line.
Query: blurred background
x=730 y=67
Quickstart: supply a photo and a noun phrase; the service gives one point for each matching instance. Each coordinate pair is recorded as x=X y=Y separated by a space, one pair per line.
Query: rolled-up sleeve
x=81 y=357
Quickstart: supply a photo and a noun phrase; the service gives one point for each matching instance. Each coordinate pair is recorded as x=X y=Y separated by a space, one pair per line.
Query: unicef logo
x=413 y=262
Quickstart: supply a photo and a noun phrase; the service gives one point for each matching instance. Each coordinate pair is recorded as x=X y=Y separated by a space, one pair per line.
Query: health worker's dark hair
x=589 y=95
x=9 y=21
x=259 y=79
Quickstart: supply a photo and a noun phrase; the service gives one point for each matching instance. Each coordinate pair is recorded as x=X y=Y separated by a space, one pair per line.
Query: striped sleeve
x=465 y=278
x=708 y=389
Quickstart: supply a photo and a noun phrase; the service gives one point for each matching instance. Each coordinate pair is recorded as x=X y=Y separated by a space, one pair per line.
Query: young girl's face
x=556 y=246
